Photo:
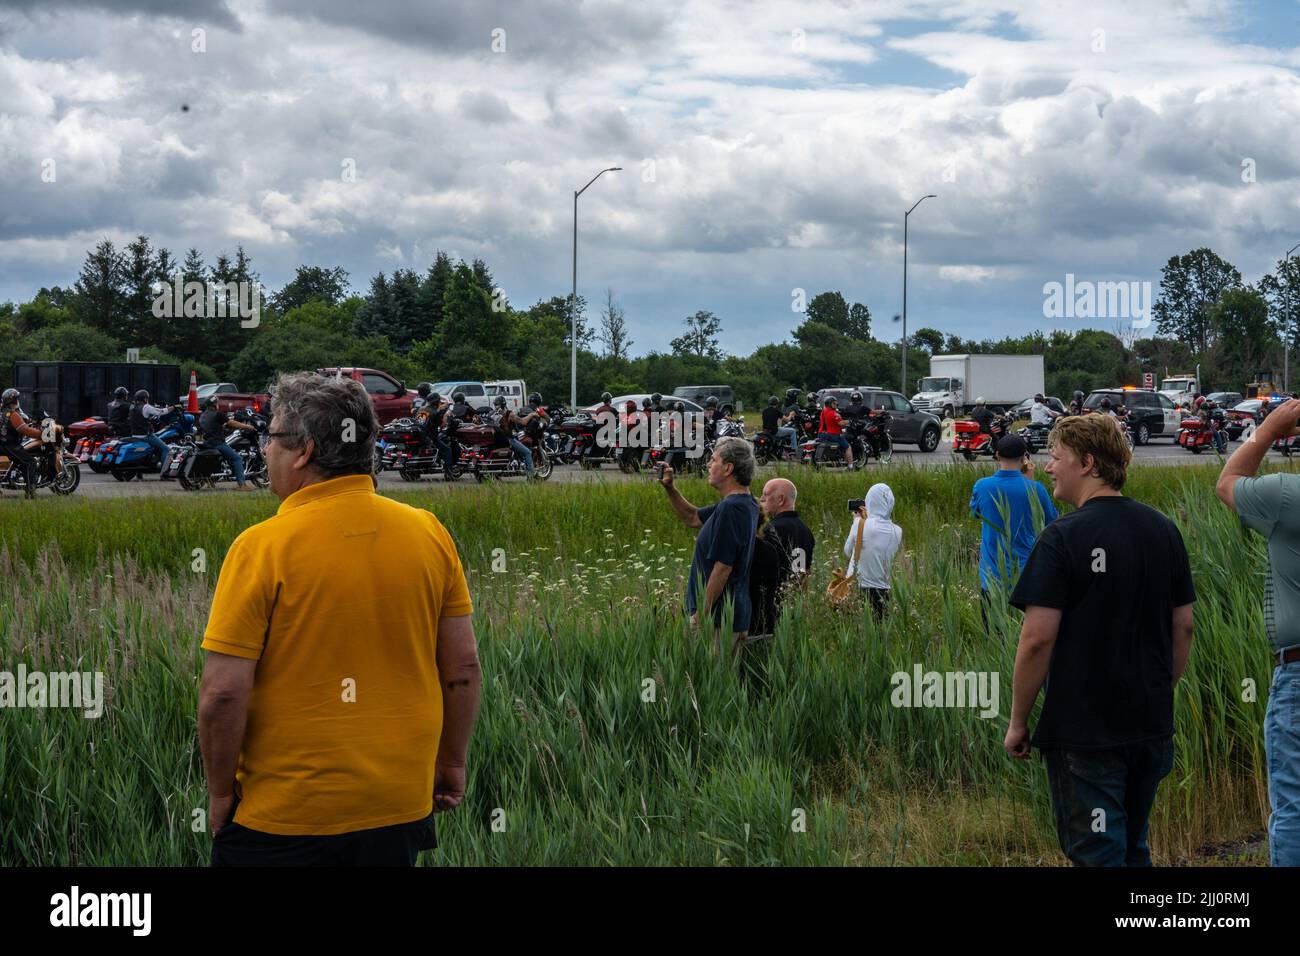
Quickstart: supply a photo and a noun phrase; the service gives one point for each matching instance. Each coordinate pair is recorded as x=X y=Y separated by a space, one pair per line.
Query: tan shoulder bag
x=843 y=586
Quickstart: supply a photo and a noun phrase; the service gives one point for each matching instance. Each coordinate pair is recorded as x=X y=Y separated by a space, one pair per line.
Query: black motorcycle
x=45 y=449
x=203 y=466
x=1036 y=436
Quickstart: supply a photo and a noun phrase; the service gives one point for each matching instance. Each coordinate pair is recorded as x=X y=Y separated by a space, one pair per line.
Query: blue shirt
x=727 y=536
x=1006 y=492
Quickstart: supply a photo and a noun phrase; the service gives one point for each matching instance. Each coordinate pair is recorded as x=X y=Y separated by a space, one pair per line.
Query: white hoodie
x=880 y=539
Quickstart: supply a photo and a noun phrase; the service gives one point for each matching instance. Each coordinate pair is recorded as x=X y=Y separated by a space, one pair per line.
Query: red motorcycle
x=969 y=442
x=485 y=461
x=404 y=447
x=86 y=436
x=1195 y=434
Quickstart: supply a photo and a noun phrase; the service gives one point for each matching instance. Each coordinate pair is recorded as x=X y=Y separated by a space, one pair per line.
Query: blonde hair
x=1100 y=436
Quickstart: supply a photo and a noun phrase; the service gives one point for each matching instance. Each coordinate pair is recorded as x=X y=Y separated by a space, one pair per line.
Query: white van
x=514 y=390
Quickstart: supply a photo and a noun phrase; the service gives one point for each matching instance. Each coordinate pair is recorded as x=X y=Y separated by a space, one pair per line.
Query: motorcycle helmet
x=10 y=397
x=606 y=398
x=458 y=398
x=499 y=401
x=1105 y=403
x=792 y=394
x=1078 y=394
x=812 y=398
x=142 y=396
x=535 y=398
x=680 y=406
x=711 y=402
x=631 y=405
x=979 y=401
x=210 y=402
x=656 y=399
x=434 y=398
x=424 y=389
x=856 y=398
x=1039 y=398
x=773 y=401
x=121 y=393
x=645 y=402
x=1200 y=400
x=831 y=401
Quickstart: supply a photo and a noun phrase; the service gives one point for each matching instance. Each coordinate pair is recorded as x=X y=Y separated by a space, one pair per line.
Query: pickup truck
x=391 y=398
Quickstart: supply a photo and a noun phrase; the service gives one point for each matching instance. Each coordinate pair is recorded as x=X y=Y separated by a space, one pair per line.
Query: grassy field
x=579 y=766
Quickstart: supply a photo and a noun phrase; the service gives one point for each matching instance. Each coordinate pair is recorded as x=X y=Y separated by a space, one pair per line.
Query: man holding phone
x=1270 y=506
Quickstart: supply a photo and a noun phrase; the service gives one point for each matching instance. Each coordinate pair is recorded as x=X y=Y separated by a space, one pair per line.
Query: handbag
x=843 y=586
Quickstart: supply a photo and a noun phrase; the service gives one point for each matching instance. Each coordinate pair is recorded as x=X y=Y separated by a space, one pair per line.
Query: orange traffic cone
x=192 y=406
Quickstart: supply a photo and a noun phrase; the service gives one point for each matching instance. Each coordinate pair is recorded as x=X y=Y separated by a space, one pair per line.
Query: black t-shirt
x=983 y=415
x=856 y=412
x=1117 y=569
x=771 y=419
x=786 y=544
x=212 y=424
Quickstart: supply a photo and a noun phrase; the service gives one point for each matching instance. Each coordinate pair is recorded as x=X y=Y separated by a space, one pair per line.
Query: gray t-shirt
x=1271 y=506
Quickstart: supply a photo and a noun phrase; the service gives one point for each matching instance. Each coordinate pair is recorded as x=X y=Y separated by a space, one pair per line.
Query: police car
x=1150 y=414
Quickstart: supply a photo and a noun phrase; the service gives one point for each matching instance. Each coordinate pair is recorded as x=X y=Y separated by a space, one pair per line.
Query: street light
x=904 y=389
x=1286 y=326
x=573 y=297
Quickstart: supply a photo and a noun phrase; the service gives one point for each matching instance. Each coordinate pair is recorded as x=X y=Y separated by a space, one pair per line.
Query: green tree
x=312 y=282
x=700 y=338
x=1189 y=286
x=101 y=292
x=1247 y=341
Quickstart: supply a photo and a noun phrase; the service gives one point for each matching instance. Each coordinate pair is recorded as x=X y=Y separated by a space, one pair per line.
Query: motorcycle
x=867 y=437
x=128 y=458
x=1196 y=435
x=50 y=443
x=1288 y=446
x=486 y=461
x=404 y=447
x=969 y=442
x=87 y=435
x=576 y=442
x=200 y=465
x=1036 y=436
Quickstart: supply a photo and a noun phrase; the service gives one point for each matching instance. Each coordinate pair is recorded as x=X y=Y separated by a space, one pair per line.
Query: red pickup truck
x=392 y=399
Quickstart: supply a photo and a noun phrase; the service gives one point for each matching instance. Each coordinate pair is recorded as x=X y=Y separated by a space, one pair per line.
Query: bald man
x=783 y=554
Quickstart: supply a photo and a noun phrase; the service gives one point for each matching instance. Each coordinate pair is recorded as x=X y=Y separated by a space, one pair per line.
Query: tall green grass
x=567 y=752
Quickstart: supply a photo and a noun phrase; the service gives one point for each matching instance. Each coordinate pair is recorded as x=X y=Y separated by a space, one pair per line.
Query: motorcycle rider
x=831 y=427
x=603 y=415
x=504 y=434
x=534 y=422
x=139 y=417
x=773 y=428
x=460 y=413
x=213 y=424
x=14 y=427
x=434 y=414
x=1210 y=413
x=119 y=413
x=1076 y=403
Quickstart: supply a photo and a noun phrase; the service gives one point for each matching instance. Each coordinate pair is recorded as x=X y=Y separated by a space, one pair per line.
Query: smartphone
x=856 y=505
x=659 y=468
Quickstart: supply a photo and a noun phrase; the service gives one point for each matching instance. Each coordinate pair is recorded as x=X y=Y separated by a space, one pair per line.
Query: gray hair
x=336 y=414
x=739 y=454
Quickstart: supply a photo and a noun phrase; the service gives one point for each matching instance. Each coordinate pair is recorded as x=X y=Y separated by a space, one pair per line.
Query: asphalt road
x=1159 y=453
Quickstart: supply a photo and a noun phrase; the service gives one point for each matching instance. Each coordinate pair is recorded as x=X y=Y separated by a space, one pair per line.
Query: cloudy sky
x=766 y=146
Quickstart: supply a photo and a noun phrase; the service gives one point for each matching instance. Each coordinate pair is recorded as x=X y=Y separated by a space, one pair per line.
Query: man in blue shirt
x=725 y=544
x=1003 y=503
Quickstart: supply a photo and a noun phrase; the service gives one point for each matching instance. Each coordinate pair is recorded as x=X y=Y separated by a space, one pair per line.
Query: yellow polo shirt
x=338 y=597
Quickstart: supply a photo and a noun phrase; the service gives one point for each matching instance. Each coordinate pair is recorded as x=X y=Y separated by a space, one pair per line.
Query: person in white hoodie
x=880 y=541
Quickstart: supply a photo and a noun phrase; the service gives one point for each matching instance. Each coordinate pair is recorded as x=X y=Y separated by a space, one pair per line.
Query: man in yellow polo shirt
x=342 y=677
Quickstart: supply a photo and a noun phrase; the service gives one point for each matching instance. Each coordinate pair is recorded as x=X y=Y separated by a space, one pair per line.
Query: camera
x=856 y=505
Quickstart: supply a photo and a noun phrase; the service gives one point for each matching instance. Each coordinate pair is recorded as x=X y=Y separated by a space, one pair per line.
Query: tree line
x=452 y=321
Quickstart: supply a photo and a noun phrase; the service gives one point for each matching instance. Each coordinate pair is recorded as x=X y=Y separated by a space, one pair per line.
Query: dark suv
x=1150 y=414
x=907 y=425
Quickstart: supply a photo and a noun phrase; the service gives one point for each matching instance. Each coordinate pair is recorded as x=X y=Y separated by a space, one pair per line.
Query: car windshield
x=1094 y=400
x=443 y=387
x=934 y=384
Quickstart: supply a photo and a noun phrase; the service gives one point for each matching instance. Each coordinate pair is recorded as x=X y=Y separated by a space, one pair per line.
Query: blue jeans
x=786 y=433
x=1102 y=800
x=162 y=448
x=1282 y=749
x=232 y=456
x=524 y=452
x=1220 y=440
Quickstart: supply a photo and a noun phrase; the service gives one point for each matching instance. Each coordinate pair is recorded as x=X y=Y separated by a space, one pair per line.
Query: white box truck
x=956 y=381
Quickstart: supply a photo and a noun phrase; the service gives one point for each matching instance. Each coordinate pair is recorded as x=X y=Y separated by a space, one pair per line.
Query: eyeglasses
x=264 y=439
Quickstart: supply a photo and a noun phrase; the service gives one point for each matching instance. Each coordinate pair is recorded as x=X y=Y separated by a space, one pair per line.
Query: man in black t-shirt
x=1107 y=594
x=213 y=425
x=782 y=554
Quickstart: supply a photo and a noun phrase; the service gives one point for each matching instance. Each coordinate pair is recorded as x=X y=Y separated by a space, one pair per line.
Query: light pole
x=573 y=297
x=904 y=389
x=1286 y=326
